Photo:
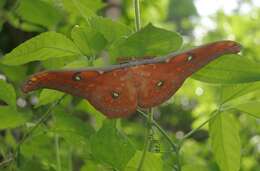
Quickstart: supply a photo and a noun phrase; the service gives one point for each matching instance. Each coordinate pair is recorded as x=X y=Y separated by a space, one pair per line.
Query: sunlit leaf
x=150 y=41
x=112 y=147
x=46 y=45
x=230 y=69
x=152 y=162
x=230 y=92
x=57 y=63
x=251 y=108
x=7 y=94
x=89 y=41
x=77 y=64
x=225 y=141
x=35 y=12
x=190 y=167
x=14 y=73
x=10 y=118
x=83 y=8
x=111 y=30
x=48 y=96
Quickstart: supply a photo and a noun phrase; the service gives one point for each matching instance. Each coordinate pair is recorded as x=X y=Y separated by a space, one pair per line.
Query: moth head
x=34 y=82
x=229 y=46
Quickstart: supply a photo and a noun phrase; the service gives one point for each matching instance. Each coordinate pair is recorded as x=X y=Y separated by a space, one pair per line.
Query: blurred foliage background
x=63 y=142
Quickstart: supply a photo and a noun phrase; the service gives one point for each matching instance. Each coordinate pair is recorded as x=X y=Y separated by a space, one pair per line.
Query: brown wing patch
x=155 y=84
x=117 y=91
x=114 y=94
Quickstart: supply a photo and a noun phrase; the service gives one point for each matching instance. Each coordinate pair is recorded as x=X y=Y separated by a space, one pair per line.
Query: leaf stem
x=137 y=15
x=70 y=162
x=57 y=148
x=44 y=117
x=161 y=130
x=175 y=146
x=189 y=134
x=147 y=138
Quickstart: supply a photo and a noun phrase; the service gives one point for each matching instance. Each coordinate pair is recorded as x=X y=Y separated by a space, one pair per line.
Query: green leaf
x=81 y=63
x=74 y=130
x=150 y=41
x=230 y=92
x=2 y=3
x=7 y=94
x=190 y=167
x=111 y=30
x=31 y=165
x=110 y=146
x=35 y=12
x=229 y=69
x=48 y=96
x=10 y=118
x=45 y=46
x=83 y=8
x=89 y=41
x=35 y=147
x=14 y=73
x=152 y=162
x=85 y=106
x=57 y=63
x=225 y=141
x=251 y=108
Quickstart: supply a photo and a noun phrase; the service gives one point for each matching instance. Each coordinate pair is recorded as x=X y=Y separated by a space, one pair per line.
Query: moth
x=119 y=89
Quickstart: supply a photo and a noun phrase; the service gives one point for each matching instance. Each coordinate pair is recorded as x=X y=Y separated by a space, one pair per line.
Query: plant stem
x=70 y=159
x=137 y=15
x=147 y=139
x=175 y=146
x=57 y=148
x=44 y=117
x=213 y=114
x=161 y=130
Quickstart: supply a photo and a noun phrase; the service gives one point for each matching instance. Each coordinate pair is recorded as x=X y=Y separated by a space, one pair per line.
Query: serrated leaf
x=111 y=30
x=48 y=96
x=10 y=118
x=251 y=108
x=7 y=94
x=83 y=8
x=225 y=141
x=35 y=12
x=42 y=47
x=112 y=147
x=152 y=162
x=150 y=41
x=229 y=69
x=88 y=40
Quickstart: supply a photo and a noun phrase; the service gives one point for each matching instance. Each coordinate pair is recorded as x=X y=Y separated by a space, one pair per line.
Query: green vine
x=148 y=138
x=137 y=14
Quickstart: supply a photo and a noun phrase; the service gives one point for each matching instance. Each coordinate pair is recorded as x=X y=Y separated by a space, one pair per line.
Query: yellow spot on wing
x=33 y=79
